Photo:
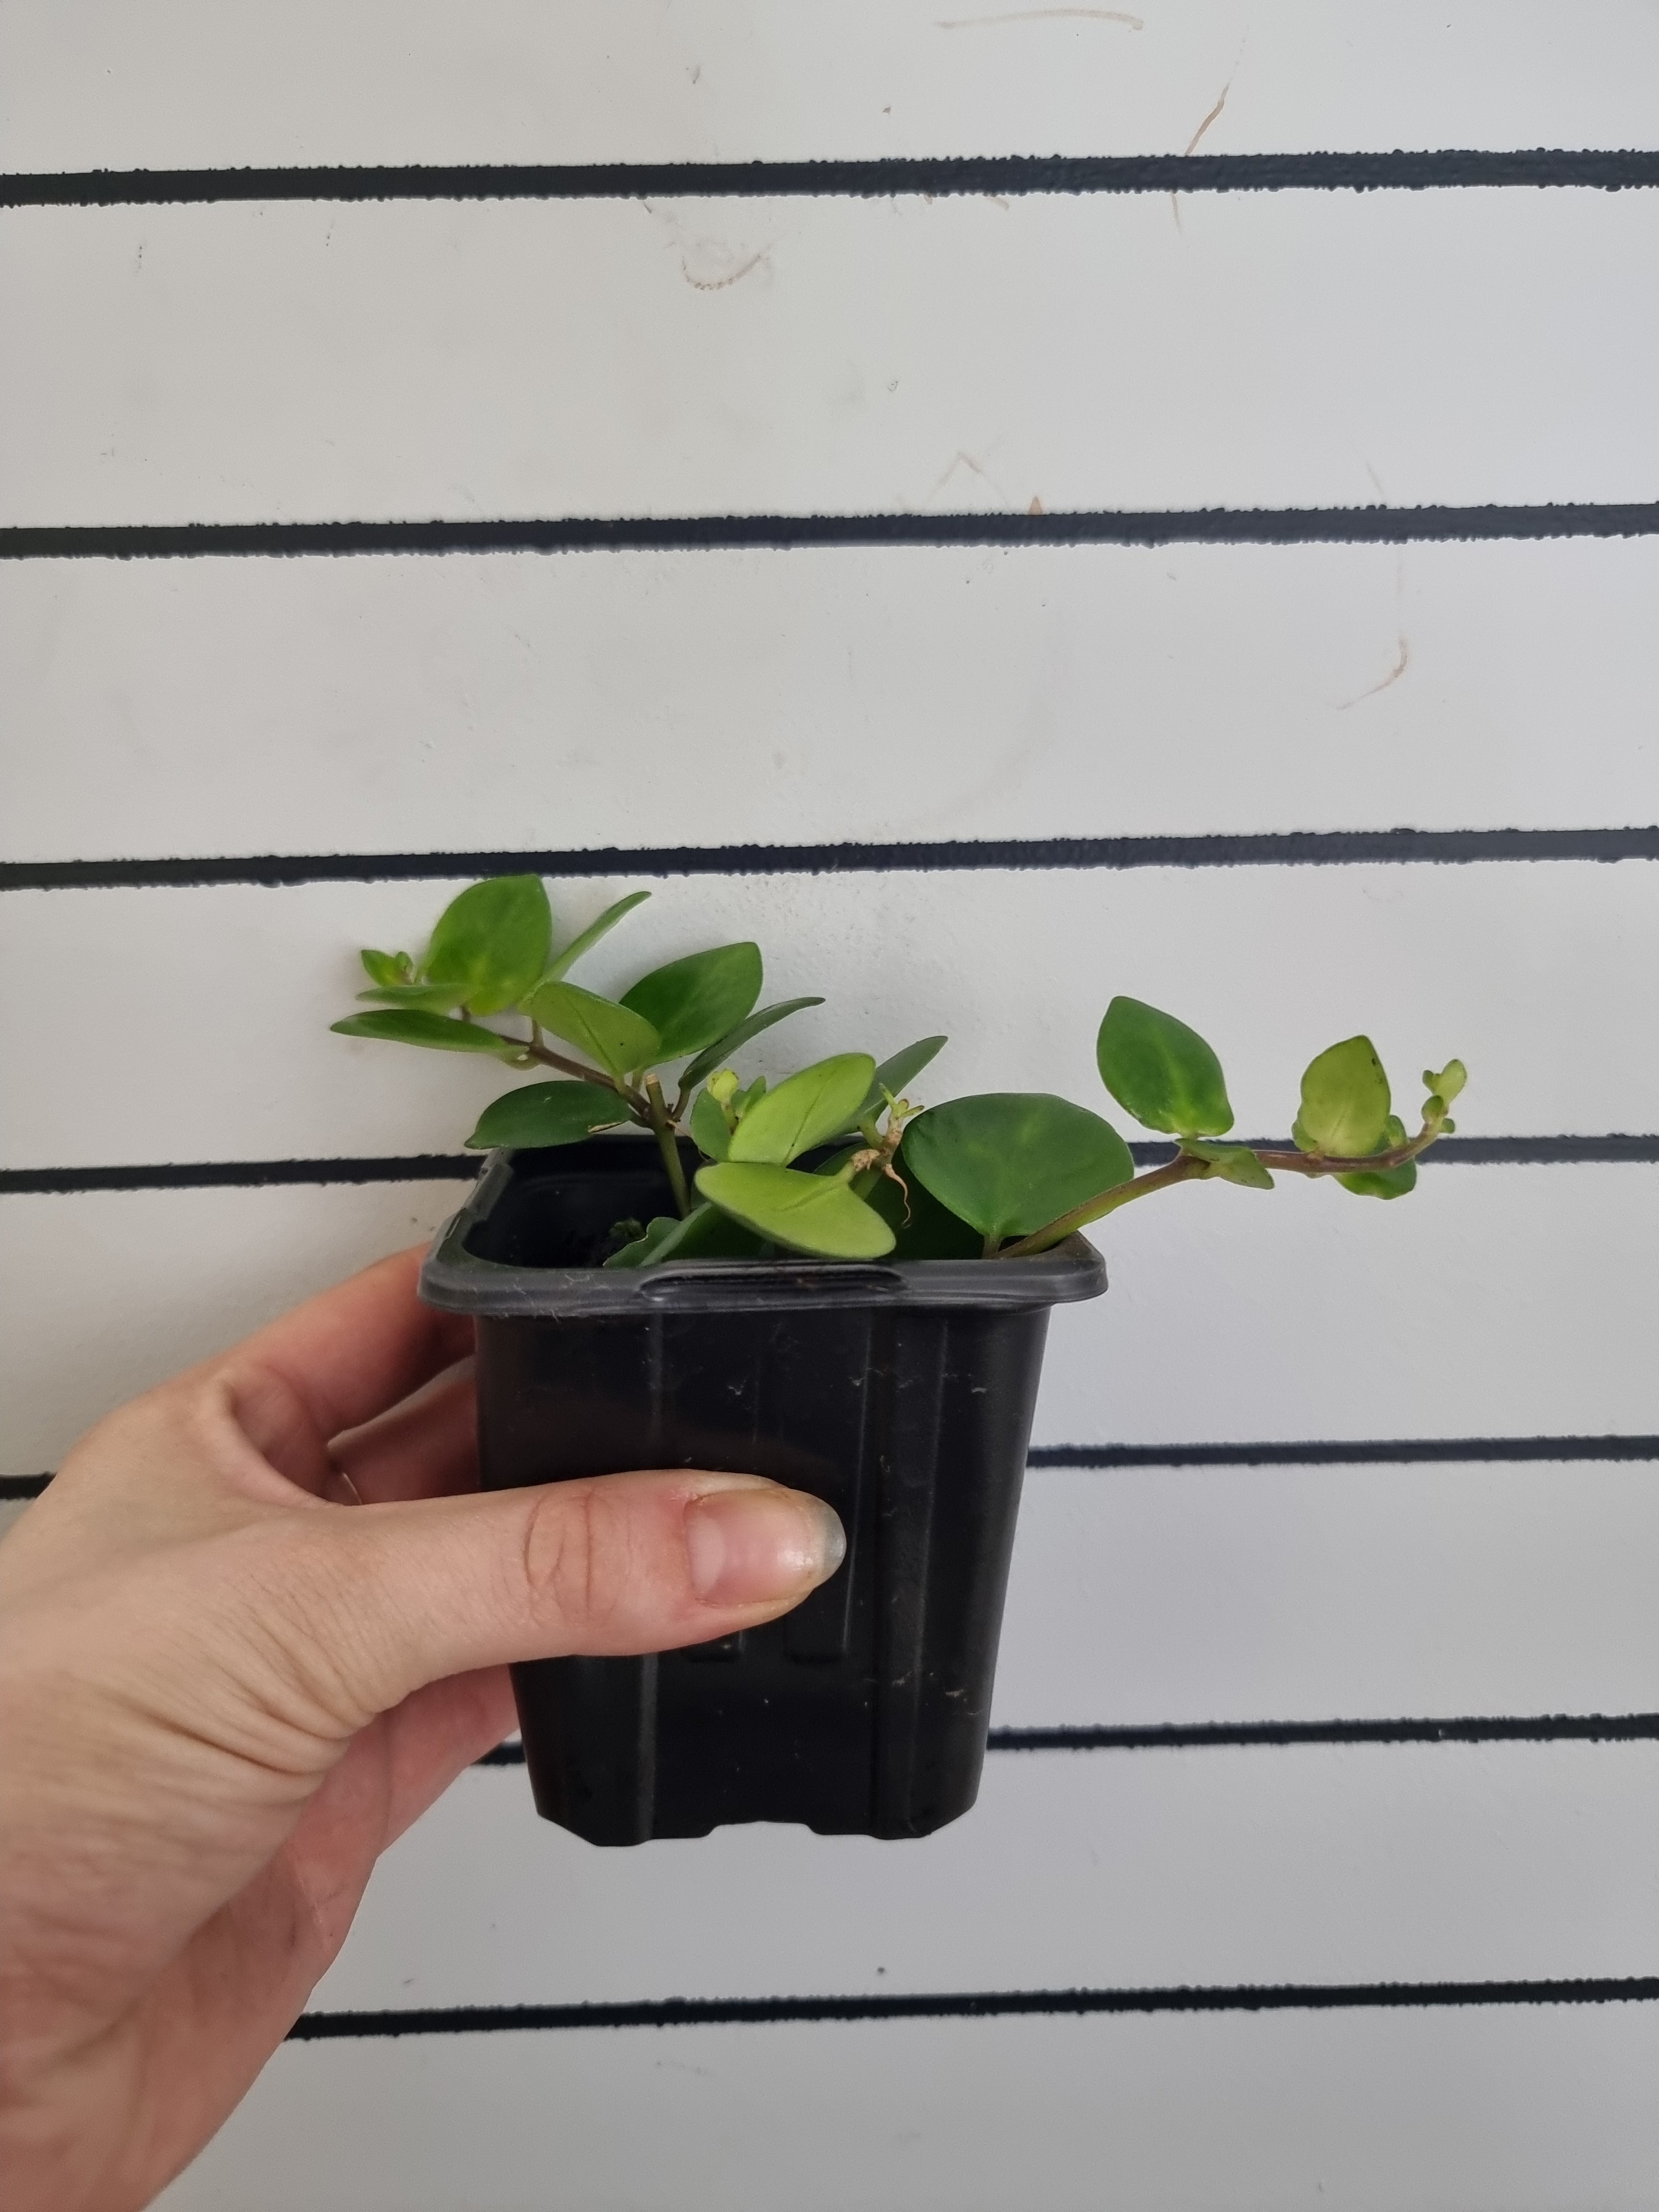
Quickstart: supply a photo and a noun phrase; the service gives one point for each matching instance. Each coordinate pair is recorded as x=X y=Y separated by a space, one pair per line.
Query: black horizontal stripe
x=1288 y=848
x=241 y=1175
x=455 y=1167
x=1211 y=525
x=1004 y=174
x=978 y=2005
x=1244 y=1735
x=1391 y=1451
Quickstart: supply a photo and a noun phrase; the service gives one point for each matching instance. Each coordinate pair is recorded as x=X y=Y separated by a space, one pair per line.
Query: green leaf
x=1232 y=1163
x=1344 y=1102
x=547 y=1114
x=436 y=998
x=723 y=1048
x=386 y=968
x=1382 y=1183
x=618 y=1038
x=1011 y=1161
x=1445 y=1086
x=893 y=1074
x=408 y=1025
x=922 y=1228
x=806 y=1109
x=492 y=942
x=697 y=1002
x=708 y=1131
x=1162 y=1072
x=802 y=1211
x=706 y=1233
x=562 y=962
x=904 y=1066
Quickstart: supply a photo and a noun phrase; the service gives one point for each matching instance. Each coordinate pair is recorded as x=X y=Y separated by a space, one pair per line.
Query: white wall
x=257 y=362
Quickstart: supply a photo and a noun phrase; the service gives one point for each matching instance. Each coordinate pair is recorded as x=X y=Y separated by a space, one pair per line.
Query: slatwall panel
x=991 y=598
x=166 y=83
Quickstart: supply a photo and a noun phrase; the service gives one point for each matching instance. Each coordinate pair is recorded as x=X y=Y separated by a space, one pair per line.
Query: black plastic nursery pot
x=901 y=1393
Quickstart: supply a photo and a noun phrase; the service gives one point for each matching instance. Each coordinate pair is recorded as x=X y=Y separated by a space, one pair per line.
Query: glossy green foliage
x=922 y=1228
x=723 y=1048
x=409 y=1025
x=707 y=1125
x=892 y=1075
x=1231 y=1163
x=962 y=1179
x=1344 y=1102
x=1162 y=1072
x=1444 y=1088
x=492 y=942
x=1010 y=1162
x=706 y=1233
x=547 y=1114
x=562 y=962
x=806 y=1109
x=387 y=969
x=696 y=1002
x=1384 y=1183
x=620 y=1040
x=433 y=997
x=803 y=1213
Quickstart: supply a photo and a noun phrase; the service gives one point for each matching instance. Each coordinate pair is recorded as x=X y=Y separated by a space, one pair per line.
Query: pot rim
x=458 y=1281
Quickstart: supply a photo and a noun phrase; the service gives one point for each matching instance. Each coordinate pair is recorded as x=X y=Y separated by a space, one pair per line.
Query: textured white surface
x=1497 y=1303
x=293 y=361
x=1148 y=1595
x=787 y=697
x=106 y=83
x=214 y=1004
x=271 y=362
x=1378 y=2111
x=1136 y=1871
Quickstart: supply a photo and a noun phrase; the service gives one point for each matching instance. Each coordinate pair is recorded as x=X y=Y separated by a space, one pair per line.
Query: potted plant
x=817 y=1280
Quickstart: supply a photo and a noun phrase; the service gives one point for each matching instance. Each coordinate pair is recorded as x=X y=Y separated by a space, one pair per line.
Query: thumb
x=392 y=1597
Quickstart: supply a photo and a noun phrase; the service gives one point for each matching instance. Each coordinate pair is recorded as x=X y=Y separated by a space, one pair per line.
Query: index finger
x=349 y=1353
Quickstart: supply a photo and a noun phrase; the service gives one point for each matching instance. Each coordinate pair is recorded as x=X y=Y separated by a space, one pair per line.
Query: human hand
x=224 y=1692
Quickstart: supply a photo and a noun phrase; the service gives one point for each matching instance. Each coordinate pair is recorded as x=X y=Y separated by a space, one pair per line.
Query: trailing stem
x=534 y=1049
x=667 y=1145
x=1188 y=1167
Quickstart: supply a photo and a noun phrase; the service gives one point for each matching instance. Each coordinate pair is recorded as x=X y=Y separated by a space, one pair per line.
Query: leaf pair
x=753 y=1182
x=490 y=950
x=490 y=946
x=1011 y=1163
x=1346 y=1112
x=675 y=1010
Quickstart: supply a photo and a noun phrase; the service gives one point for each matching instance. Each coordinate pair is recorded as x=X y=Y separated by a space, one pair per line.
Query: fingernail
x=746 y=1546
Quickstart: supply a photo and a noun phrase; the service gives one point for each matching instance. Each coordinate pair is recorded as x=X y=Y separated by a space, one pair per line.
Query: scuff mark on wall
x=1191 y=147
x=1042 y=16
x=1402 y=662
x=709 y=263
x=964 y=459
x=721 y=284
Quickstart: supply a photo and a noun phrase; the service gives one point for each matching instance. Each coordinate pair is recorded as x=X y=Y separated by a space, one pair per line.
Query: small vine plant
x=838 y=1161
